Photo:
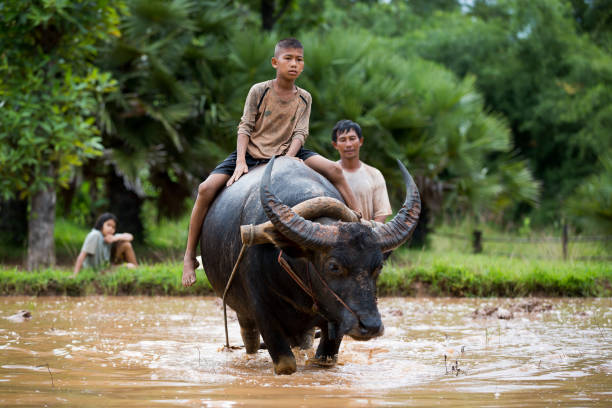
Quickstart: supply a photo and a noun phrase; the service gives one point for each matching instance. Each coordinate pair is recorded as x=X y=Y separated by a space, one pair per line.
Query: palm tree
x=169 y=123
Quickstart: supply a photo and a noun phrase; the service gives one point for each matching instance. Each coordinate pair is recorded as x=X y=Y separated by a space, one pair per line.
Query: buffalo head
x=347 y=258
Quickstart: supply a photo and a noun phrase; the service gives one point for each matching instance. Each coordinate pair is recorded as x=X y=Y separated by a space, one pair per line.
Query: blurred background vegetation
x=501 y=109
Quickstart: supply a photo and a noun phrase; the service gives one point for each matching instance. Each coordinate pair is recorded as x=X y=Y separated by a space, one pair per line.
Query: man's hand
x=241 y=168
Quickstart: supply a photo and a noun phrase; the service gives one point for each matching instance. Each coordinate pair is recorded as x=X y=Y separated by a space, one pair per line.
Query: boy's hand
x=125 y=236
x=241 y=168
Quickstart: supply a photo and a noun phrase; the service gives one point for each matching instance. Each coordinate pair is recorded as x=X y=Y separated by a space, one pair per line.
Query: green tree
x=49 y=96
x=175 y=113
x=552 y=84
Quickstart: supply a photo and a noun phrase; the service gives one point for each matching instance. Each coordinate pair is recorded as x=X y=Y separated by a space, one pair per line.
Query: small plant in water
x=454 y=369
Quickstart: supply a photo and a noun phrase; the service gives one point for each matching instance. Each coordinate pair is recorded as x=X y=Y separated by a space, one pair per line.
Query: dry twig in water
x=48 y=369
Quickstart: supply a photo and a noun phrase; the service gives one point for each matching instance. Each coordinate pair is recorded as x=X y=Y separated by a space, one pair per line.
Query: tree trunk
x=269 y=15
x=14 y=222
x=67 y=196
x=126 y=204
x=420 y=238
x=41 y=223
x=172 y=195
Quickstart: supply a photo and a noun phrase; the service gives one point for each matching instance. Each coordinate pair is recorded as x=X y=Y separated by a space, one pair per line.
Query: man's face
x=289 y=63
x=348 y=144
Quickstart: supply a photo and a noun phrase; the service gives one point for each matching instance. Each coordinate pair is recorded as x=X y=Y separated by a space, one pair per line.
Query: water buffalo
x=337 y=262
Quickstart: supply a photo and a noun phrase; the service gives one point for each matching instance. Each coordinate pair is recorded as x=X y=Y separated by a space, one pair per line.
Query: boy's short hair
x=103 y=218
x=287 y=43
x=344 y=126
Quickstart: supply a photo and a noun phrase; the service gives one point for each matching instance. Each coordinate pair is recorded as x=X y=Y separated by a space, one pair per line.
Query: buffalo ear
x=386 y=255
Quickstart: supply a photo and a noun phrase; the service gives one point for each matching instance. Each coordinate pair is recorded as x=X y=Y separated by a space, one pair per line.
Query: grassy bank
x=407 y=273
x=155 y=279
x=463 y=274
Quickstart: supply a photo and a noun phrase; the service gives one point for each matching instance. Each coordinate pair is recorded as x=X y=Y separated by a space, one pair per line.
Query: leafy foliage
x=416 y=111
x=183 y=85
x=532 y=65
x=49 y=89
x=172 y=119
x=483 y=100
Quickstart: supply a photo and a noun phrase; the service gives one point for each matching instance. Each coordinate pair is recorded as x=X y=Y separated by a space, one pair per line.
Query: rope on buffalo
x=229 y=283
x=301 y=284
x=291 y=273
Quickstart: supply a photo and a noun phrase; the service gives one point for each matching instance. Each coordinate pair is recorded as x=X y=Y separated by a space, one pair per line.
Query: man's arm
x=241 y=166
x=380 y=198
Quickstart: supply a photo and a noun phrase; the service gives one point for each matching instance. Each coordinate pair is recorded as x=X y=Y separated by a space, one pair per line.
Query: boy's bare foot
x=189 y=266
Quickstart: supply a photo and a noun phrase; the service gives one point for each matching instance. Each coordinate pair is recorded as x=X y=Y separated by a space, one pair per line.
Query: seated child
x=103 y=247
x=275 y=122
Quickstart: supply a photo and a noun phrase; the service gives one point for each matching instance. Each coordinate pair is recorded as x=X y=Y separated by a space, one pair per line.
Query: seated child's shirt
x=98 y=251
x=271 y=122
x=370 y=190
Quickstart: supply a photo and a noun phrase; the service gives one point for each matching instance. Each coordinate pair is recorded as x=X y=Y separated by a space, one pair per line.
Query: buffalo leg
x=327 y=352
x=278 y=347
x=307 y=339
x=250 y=334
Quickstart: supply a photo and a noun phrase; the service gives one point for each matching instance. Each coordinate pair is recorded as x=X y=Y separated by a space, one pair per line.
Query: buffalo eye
x=333 y=267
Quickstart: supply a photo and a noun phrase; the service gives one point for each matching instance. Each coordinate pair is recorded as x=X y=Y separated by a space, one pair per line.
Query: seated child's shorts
x=228 y=165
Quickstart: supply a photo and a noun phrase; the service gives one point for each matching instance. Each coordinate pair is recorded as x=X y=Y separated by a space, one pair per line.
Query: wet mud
x=157 y=351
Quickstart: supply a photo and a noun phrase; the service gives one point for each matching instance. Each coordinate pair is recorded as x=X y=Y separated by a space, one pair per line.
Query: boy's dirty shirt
x=272 y=127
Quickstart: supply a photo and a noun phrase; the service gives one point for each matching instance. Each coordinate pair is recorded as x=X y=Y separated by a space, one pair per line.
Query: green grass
x=69 y=238
x=168 y=234
x=411 y=272
x=164 y=241
x=158 y=279
x=407 y=273
x=447 y=268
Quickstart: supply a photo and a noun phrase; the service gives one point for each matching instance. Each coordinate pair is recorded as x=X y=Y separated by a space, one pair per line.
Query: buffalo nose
x=371 y=326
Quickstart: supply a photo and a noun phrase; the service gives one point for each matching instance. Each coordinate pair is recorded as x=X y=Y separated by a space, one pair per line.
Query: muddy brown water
x=164 y=351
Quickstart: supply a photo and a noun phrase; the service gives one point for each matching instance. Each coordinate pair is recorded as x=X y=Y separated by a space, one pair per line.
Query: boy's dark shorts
x=228 y=165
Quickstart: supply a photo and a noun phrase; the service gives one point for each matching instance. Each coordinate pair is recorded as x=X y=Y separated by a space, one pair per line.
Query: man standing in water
x=367 y=182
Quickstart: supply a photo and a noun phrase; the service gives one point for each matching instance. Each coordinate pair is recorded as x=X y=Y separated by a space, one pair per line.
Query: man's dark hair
x=287 y=43
x=103 y=218
x=344 y=126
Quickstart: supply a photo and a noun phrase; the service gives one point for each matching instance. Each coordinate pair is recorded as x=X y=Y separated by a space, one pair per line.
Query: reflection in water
x=142 y=351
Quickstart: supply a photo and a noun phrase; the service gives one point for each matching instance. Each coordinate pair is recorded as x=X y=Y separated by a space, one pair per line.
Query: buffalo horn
x=310 y=209
x=306 y=233
x=400 y=228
